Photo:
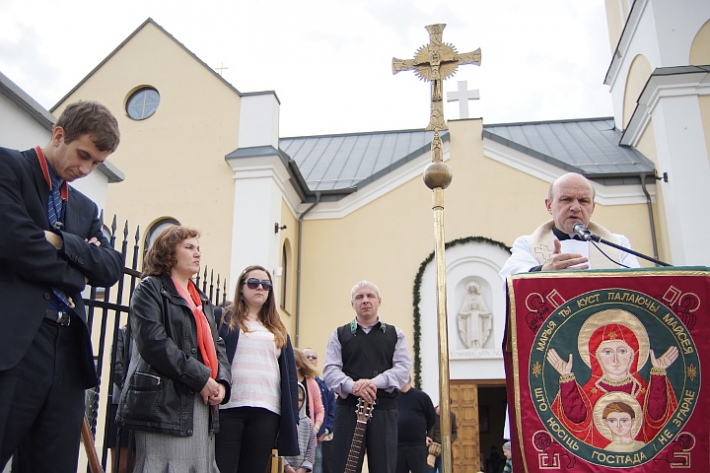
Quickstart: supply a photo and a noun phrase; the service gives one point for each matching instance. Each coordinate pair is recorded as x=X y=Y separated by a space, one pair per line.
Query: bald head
x=570 y=178
x=570 y=200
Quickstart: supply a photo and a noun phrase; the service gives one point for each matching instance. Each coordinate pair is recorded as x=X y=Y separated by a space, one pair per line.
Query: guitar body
x=364 y=413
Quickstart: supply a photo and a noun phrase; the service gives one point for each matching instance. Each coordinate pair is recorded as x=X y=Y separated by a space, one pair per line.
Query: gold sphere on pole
x=437 y=175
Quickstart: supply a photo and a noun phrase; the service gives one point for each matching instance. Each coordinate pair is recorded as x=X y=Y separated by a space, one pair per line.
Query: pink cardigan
x=315 y=404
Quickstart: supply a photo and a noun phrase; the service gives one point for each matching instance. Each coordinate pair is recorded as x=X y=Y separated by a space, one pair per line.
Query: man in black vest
x=367 y=359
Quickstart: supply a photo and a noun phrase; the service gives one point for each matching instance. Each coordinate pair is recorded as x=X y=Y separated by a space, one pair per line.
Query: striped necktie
x=54 y=210
x=54 y=207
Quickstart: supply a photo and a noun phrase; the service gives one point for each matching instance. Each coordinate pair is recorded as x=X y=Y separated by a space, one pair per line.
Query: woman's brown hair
x=160 y=258
x=237 y=311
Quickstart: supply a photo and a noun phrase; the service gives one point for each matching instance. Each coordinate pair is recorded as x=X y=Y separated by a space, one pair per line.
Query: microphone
x=581 y=231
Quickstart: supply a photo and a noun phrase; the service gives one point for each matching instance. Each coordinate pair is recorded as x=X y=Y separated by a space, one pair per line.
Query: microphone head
x=581 y=231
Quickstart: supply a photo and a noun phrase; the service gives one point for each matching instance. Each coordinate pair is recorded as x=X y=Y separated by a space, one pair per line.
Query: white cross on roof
x=462 y=96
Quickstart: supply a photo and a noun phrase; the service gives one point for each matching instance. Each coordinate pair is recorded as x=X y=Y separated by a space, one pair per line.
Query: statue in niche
x=474 y=320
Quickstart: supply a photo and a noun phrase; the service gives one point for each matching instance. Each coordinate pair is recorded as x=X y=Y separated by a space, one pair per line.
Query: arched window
x=284 y=275
x=155 y=230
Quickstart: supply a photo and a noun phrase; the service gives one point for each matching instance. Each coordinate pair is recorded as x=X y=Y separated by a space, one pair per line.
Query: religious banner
x=604 y=370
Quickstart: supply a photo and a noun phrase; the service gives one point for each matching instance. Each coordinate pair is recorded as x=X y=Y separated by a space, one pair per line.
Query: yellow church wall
x=289 y=242
x=700 y=48
x=615 y=20
x=705 y=116
x=647 y=146
x=383 y=242
x=639 y=72
x=200 y=117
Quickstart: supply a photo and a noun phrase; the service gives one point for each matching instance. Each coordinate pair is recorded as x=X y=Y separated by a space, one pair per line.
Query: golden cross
x=436 y=62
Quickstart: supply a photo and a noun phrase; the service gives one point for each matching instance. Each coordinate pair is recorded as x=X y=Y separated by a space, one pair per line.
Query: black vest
x=365 y=355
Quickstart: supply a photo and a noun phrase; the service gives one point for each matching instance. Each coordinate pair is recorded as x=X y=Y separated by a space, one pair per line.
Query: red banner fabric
x=604 y=370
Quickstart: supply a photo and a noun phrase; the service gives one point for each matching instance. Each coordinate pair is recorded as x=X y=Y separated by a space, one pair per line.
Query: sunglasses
x=253 y=283
x=312 y=357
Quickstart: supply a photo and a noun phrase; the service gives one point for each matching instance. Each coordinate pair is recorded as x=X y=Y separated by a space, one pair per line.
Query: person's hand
x=94 y=241
x=322 y=438
x=366 y=389
x=666 y=360
x=212 y=392
x=561 y=366
x=428 y=440
x=289 y=469
x=54 y=239
x=560 y=260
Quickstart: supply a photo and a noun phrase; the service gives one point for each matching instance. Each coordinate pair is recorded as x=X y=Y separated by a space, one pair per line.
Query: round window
x=143 y=103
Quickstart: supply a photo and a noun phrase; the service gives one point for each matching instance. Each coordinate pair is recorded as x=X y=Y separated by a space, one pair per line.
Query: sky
x=330 y=61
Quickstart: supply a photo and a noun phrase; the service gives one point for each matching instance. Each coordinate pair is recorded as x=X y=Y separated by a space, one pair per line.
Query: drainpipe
x=650 y=216
x=298 y=270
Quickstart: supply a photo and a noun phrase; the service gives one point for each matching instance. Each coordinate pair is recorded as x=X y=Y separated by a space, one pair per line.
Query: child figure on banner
x=615 y=345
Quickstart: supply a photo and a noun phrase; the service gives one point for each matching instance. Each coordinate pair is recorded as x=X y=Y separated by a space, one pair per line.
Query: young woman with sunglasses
x=264 y=400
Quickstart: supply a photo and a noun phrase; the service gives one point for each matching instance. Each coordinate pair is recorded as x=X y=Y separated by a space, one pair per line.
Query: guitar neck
x=355 y=447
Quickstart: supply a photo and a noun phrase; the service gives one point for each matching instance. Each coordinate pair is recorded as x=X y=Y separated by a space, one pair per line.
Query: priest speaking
x=555 y=245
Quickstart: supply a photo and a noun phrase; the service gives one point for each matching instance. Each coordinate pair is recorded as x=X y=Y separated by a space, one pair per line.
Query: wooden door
x=466 y=448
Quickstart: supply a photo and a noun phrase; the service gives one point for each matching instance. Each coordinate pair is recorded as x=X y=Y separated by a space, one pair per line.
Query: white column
x=260 y=178
x=682 y=154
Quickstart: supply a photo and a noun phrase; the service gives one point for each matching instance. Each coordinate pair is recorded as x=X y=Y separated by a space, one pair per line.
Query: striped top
x=256 y=381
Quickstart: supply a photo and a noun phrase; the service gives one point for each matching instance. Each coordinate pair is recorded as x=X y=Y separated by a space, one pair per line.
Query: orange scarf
x=204 y=334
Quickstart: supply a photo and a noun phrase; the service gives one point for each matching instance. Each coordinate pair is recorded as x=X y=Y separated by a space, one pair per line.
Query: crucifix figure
x=436 y=62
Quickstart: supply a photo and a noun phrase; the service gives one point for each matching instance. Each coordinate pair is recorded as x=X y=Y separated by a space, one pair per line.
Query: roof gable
x=147 y=23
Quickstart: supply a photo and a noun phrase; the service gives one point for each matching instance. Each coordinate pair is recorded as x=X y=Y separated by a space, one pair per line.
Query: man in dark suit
x=51 y=247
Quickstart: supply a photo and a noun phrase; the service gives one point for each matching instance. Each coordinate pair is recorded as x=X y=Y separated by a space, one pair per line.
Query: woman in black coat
x=179 y=372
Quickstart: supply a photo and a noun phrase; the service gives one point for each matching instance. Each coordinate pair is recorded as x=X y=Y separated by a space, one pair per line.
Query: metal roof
x=330 y=162
x=589 y=146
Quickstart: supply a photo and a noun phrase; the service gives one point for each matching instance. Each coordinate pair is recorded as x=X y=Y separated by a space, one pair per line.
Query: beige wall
x=615 y=18
x=639 y=72
x=180 y=149
x=700 y=49
x=289 y=238
x=705 y=115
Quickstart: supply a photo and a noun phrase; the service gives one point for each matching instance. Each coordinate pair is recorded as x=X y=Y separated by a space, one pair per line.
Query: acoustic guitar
x=364 y=413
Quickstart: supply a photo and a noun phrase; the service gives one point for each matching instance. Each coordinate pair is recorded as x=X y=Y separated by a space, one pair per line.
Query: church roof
x=348 y=161
x=588 y=146
x=26 y=103
x=332 y=163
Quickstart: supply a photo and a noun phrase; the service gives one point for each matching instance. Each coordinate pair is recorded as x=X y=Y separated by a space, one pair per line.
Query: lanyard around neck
x=64 y=189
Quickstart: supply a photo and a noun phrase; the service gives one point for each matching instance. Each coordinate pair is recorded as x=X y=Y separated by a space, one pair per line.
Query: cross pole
x=436 y=62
